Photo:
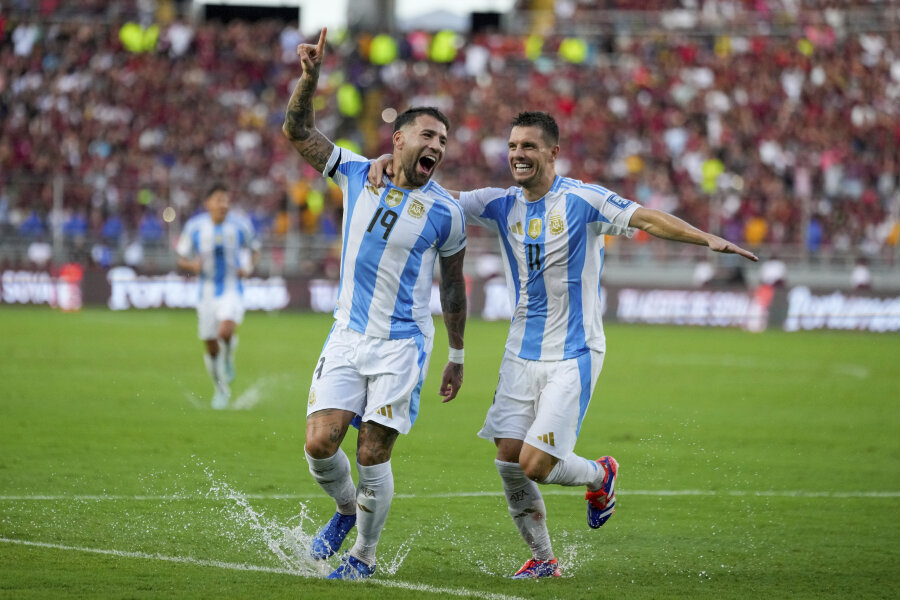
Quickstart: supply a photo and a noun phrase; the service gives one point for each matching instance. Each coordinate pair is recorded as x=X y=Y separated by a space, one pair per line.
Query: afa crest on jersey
x=557 y=225
x=416 y=209
x=535 y=226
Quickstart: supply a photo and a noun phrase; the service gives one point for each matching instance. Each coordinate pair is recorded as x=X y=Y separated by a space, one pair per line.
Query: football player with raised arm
x=212 y=246
x=375 y=358
x=551 y=231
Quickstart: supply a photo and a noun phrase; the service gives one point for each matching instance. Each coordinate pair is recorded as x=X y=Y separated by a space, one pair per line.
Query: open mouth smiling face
x=426 y=164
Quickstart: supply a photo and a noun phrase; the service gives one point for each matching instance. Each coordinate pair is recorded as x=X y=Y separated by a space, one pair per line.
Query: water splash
x=289 y=543
x=573 y=553
x=391 y=568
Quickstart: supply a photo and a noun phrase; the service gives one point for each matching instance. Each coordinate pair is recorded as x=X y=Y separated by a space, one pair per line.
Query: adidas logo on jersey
x=385 y=411
x=547 y=438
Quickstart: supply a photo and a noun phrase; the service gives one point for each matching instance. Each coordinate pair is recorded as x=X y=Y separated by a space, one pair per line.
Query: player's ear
x=554 y=151
x=399 y=140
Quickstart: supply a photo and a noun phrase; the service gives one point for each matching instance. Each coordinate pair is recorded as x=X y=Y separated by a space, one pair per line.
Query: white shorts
x=542 y=402
x=378 y=379
x=212 y=311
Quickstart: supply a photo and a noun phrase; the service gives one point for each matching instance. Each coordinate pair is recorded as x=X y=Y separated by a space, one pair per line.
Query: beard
x=413 y=176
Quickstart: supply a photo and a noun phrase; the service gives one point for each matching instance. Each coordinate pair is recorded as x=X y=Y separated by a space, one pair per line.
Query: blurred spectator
x=134 y=253
x=770 y=128
x=773 y=272
x=76 y=226
x=33 y=225
x=39 y=253
x=112 y=228
x=861 y=277
x=150 y=228
x=704 y=272
x=101 y=255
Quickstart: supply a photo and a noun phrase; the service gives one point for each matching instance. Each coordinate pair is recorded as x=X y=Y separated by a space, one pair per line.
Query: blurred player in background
x=375 y=359
x=551 y=231
x=214 y=246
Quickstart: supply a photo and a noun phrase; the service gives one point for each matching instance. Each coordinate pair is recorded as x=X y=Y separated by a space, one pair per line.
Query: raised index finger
x=320 y=47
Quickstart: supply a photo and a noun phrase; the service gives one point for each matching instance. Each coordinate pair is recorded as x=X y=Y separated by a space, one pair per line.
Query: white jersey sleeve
x=607 y=208
x=480 y=207
x=344 y=167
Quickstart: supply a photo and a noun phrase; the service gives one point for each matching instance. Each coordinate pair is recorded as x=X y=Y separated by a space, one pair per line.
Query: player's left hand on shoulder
x=381 y=166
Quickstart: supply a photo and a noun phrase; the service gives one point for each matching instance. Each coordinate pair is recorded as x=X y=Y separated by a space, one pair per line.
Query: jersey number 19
x=387 y=221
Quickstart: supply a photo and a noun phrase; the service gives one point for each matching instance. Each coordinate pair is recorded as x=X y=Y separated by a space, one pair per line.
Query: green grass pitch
x=752 y=465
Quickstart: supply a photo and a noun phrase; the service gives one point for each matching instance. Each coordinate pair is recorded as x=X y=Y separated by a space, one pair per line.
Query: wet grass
x=752 y=465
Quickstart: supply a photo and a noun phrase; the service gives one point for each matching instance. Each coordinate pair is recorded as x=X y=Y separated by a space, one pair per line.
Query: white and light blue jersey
x=553 y=256
x=220 y=248
x=391 y=239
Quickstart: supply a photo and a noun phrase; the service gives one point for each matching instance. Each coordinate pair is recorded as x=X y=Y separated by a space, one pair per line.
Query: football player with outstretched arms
x=376 y=356
x=551 y=231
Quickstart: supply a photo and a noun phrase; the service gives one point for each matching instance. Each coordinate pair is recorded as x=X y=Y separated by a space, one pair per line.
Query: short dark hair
x=411 y=114
x=217 y=186
x=543 y=120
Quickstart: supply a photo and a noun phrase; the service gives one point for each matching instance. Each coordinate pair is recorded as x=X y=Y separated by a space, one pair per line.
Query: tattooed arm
x=299 y=119
x=453 y=303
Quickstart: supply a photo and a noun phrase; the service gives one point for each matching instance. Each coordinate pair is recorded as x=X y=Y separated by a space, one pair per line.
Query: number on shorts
x=319 y=368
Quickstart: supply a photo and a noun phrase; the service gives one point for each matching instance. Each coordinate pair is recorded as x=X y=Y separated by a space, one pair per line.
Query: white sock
x=333 y=475
x=373 y=500
x=212 y=367
x=526 y=507
x=229 y=348
x=220 y=364
x=575 y=470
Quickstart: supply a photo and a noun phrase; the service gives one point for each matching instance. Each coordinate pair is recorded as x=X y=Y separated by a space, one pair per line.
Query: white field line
x=497 y=493
x=416 y=587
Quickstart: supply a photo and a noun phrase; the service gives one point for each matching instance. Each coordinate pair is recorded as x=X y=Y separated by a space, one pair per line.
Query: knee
x=320 y=447
x=535 y=472
x=535 y=468
x=368 y=455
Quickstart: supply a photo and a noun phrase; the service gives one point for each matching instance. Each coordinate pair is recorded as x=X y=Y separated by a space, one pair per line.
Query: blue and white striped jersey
x=219 y=247
x=391 y=239
x=553 y=256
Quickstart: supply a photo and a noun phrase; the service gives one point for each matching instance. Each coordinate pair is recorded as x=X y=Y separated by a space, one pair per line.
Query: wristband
x=456 y=355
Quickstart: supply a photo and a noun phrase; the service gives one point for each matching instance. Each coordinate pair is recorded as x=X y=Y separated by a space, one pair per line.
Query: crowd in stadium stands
x=766 y=139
